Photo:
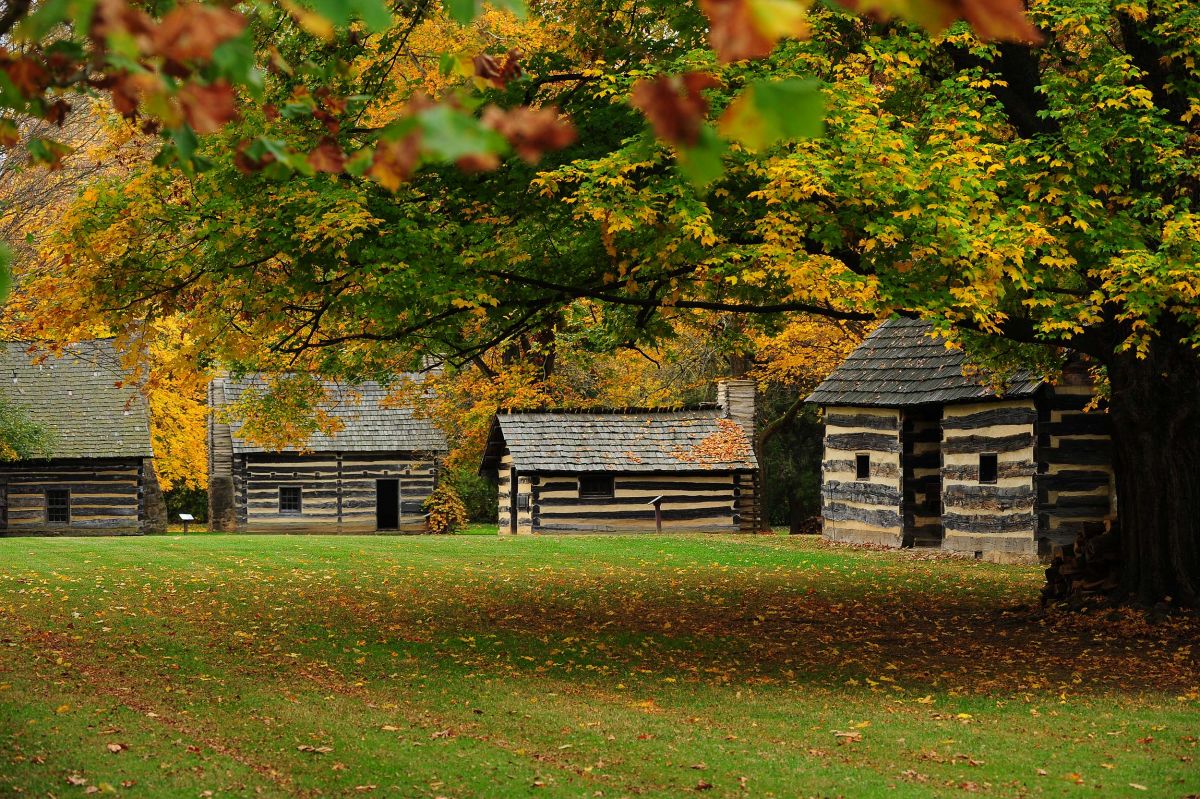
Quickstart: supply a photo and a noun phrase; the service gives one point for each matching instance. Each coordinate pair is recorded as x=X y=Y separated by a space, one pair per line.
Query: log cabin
x=369 y=476
x=918 y=451
x=98 y=476
x=621 y=470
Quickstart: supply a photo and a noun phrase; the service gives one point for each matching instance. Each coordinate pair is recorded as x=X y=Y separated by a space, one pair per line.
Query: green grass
x=573 y=666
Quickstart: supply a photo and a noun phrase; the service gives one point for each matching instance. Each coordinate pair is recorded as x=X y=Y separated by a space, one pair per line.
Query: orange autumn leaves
x=529 y=132
x=747 y=29
x=184 y=40
x=674 y=105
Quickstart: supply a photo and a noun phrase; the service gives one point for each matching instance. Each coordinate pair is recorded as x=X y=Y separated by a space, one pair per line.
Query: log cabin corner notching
x=600 y=470
x=372 y=475
x=918 y=454
x=99 y=477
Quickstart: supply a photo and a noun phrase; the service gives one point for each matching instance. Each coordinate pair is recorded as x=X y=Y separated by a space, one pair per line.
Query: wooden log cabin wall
x=601 y=470
x=988 y=470
x=97 y=476
x=1075 y=486
x=370 y=475
x=860 y=490
x=1006 y=477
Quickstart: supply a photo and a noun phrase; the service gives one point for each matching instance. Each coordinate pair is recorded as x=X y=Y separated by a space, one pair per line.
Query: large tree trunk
x=1155 y=414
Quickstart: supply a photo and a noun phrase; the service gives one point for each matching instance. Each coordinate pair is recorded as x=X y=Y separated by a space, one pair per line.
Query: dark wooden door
x=387 y=504
x=512 y=500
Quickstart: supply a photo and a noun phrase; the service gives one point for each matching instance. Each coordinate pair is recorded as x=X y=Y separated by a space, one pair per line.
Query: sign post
x=657 y=503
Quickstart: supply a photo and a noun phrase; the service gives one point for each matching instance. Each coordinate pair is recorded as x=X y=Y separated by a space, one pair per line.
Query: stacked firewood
x=1090 y=567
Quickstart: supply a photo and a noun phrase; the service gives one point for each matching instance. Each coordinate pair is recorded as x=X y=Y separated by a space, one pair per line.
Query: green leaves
x=769 y=112
x=701 y=163
x=6 y=257
x=766 y=113
x=463 y=11
x=375 y=14
x=450 y=134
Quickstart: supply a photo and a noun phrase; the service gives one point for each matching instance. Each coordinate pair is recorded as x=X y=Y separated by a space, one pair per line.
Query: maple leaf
x=531 y=131
x=193 y=31
x=327 y=156
x=247 y=163
x=732 y=32
x=56 y=113
x=1000 y=19
x=674 y=105
x=991 y=19
x=208 y=107
x=478 y=162
x=495 y=72
x=9 y=135
x=28 y=75
x=116 y=17
x=394 y=161
x=743 y=29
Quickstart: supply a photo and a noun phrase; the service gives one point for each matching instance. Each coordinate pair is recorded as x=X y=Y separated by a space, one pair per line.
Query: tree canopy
x=367 y=210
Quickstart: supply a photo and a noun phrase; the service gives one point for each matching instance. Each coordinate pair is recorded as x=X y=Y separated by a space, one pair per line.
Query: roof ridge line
x=612 y=411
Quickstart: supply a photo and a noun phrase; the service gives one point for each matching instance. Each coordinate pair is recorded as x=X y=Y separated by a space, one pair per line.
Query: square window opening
x=289 y=499
x=862 y=467
x=596 y=486
x=58 y=505
x=989 y=467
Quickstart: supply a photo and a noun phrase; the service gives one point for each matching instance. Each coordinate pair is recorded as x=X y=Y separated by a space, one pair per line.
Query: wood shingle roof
x=80 y=397
x=619 y=440
x=368 y=422
x=901 y=364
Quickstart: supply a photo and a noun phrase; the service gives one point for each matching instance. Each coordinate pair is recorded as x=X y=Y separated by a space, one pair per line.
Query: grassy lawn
x=576 y=666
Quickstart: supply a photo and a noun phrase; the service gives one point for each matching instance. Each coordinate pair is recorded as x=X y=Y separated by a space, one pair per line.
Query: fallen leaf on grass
x=115 y=748
x=76 y=780
x=703 y=786
x=854 y=736
x=316 y=750
x=1138 y=787
x=442 y=734
x=390 y=728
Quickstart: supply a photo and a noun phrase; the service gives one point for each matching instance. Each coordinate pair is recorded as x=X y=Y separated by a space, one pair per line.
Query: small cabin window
x=989 y=467
x=58 y=505
x=289 y=499
x=862 y=467
x=595 y=486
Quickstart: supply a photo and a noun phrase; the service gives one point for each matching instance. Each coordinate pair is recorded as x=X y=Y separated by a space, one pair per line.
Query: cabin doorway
x=921 y=460
x=512 y=501
x=387 y=504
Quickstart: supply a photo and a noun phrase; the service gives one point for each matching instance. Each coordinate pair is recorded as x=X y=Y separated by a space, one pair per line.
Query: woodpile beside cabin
x=98 y=478
x=371 y=475
x=628 y=469
x=919 y=454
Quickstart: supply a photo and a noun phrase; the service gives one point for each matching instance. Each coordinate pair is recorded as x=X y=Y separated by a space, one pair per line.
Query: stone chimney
x=222 y=510
x=737 y=400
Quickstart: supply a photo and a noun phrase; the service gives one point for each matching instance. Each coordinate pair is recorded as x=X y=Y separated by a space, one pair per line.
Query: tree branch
x=579 y=292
